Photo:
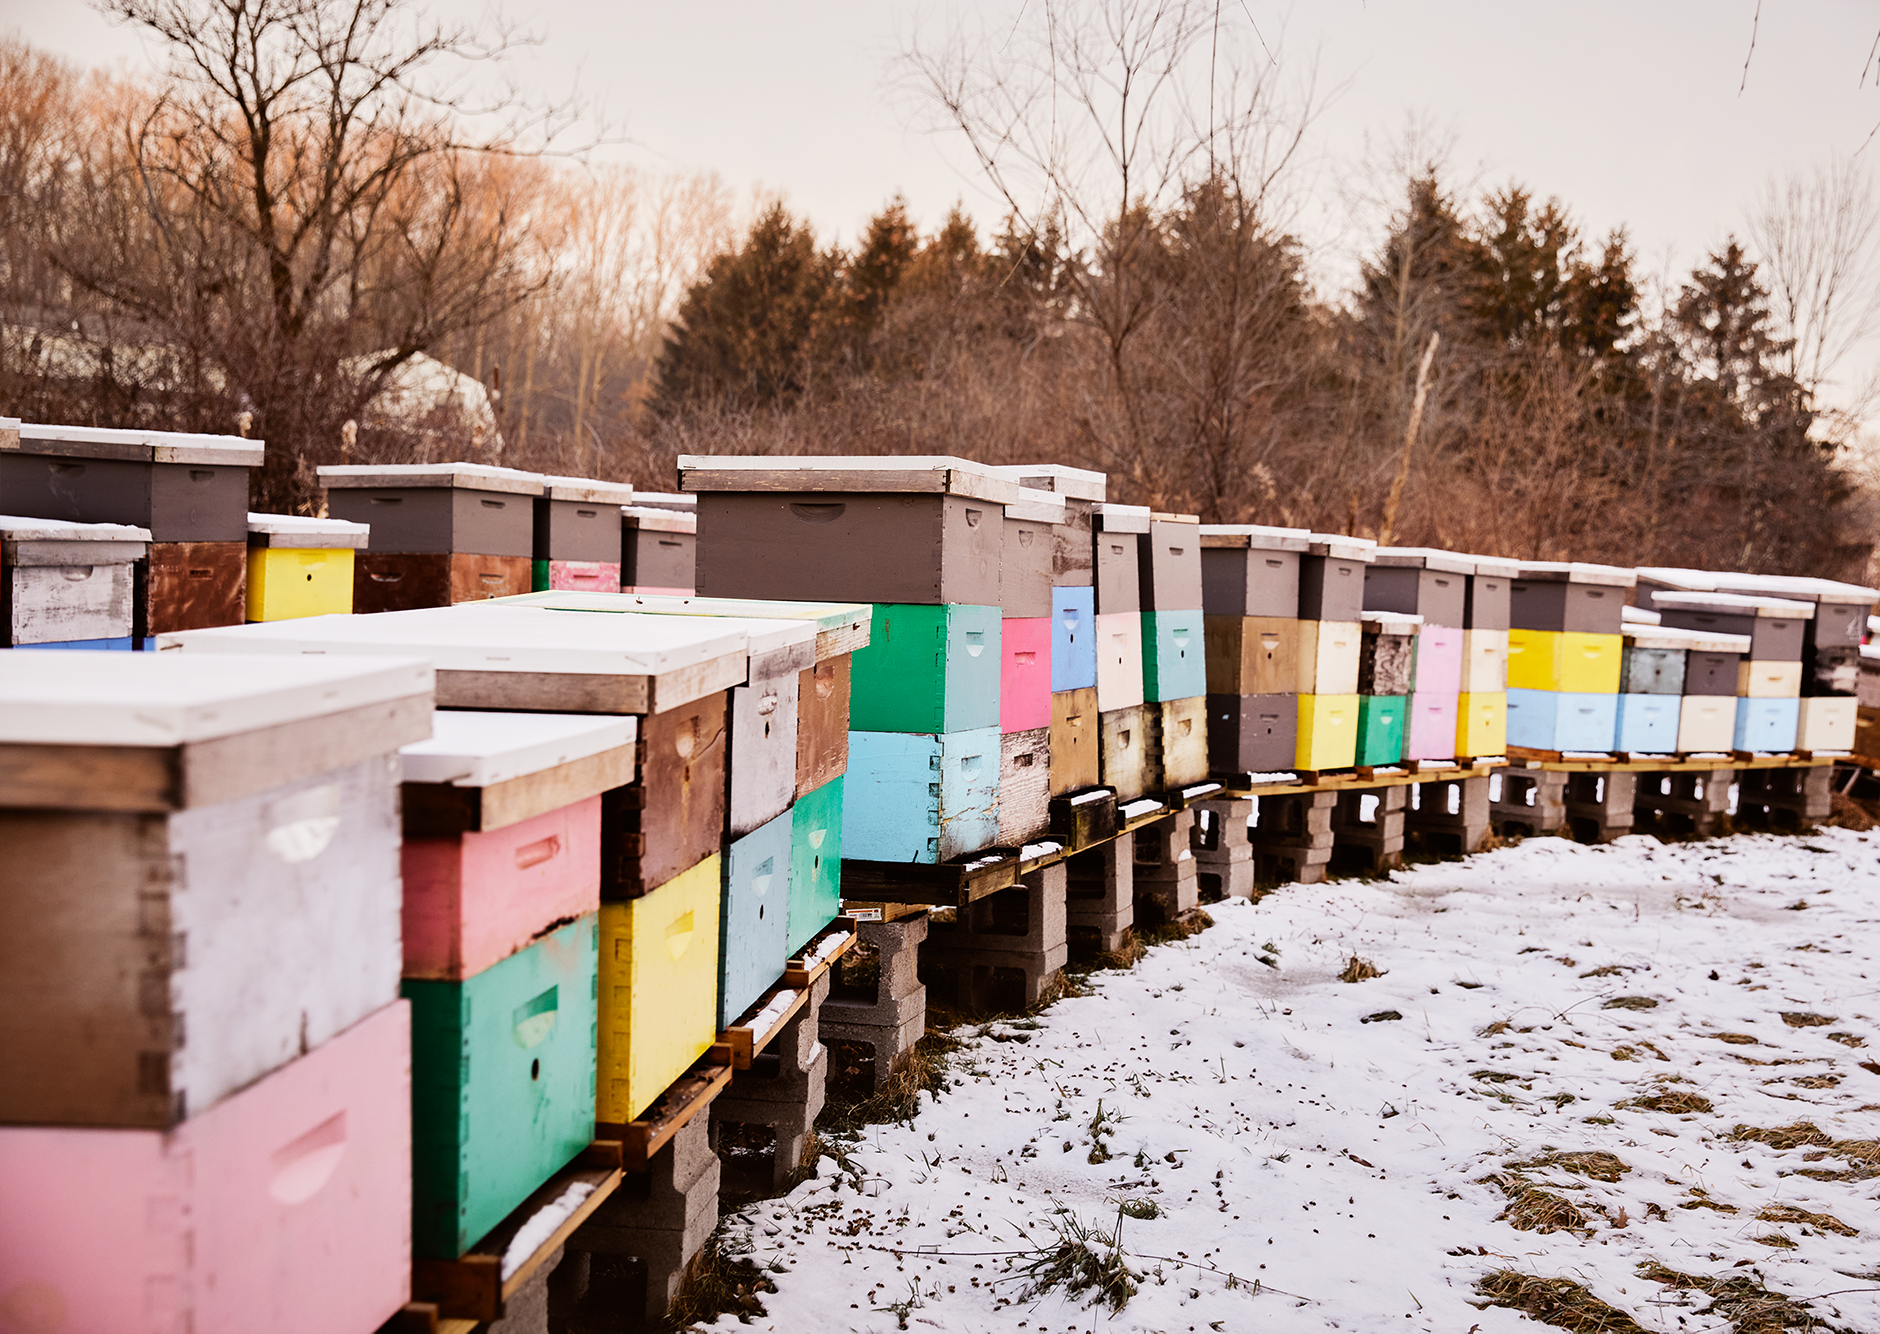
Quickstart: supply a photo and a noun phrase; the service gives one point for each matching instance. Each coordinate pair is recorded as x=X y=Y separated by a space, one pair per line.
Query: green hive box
x=502 y=1085
x=927 y=669
x=815 y=863
x=1173 y=663
x=1381 y=721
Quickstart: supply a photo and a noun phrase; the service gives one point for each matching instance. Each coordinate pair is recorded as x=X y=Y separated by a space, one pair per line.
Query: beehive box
x=1481 y=723
x=1331 y=577
x=1777 y=627
x=1487 y=604
x=1568 y=662
x=1124 y=756
x=190 y=586
x=926 y=530
x=1568 y=596
x=1647 y=722
x=67 y=583
x=1079 y=490
x=237 y=1220
x=1768 y=680
x=1329 y=653
x=1328 y=732
x=1827 y=723
x=1119 y=531
x=928 y=669
x=754 y=919
x=1485 y=661
x=926 y=798
x=1024 y=785
x=299 y=566
x=396 y=581
x=502 y=1084
x=1253 y=655
x=1381 y=721
x=203 y=814
x=1387 y=655
x=1562 y=720
x=1074 y=741
x=1073 y=639
x=502 y=820
x=1174 y=652
x=1169 y=563
x=180 y=487
x=1253 y=733
x=1029 y=558
x=1178 y=735
x=815 y=863
x=674 y=816
x=577 y=521
x=1416 y=581
x=822 y=724
x=1430 y=726
x=438 y=508
x=1439 y=660
x=1767 y=724
x=1119 y=660
x=1251 y=570
x=658 y=550
x=658 y=989
x=1832 y=671
x=1706 y=723
x=762 y=759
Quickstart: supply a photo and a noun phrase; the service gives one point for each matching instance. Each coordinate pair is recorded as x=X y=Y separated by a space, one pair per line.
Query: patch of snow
x=533 y=1234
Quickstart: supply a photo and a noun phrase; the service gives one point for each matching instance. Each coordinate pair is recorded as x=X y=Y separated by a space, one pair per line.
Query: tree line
x=284 y=225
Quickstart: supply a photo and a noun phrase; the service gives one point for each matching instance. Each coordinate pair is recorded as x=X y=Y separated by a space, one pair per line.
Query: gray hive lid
x=95 y=442
x=1699 y=641
x=1425 y=558
x=1253 y=536
x=1736 y=604
x=1069 y=483
x=81 y=698
x=1576 y=572
x=586 y=488
x=303 y=533
x=1800 y=587
x=1340 y=547
x=921 y=474
x=410 y=476
x=473 y=749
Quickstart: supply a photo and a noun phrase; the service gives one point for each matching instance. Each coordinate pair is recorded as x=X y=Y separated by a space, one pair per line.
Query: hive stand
x=877 y=999
x=550 y=1300
x=1293 y=840
x=1167 y=887
x=1099 y=897
x=1450 y=816
x=1599 y=807
x=1223 y=849
x=1785 y=798
x=641 y=1241
x=1002 y=951
x=1369 y=838
x=1696 y=803
x=1532 y=802
x=782 y=1091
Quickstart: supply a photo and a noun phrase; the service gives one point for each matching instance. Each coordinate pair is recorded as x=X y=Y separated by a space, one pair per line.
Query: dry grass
x=898 y=1098
x=1630 y=1003
x=1803 y=1019
x=1798 y=1135
x=1532 y=1208
x=1675 y=1101
x=1850 y=812
x=1863 y=1155
x=1788 y=1213
x=1559 y=1302
x=1359 y=970
x=1735 y=1039
x=1700 y=1199
x=1742 y=1300
x=1598 y=1165
x=717 y=1283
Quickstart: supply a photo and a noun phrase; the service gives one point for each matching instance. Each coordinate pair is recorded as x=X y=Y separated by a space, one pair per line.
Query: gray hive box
x=183 y=488
x=436 y=508
x=1251 y=570
x=574 y=519
x=1777 y=627
x=1487 y=603
x=1119 y=533
x=1170 y=563
x=1029 y=564
x=1418 y=581
x=63 y=583
x=1841 y=610
x=1081 y=490
x=1569 y=595
x=922 y=529
x=658 y=549
x=1331 y=577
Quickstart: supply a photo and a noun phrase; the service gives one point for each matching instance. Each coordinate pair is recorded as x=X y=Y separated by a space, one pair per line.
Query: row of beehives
x=1029 y=640
x=234 y=934
x=115 y=536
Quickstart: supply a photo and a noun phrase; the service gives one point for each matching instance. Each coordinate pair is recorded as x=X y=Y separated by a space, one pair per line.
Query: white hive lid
x=1340 y=547
x=586 y=488
x=1699 y=641
x=1640 y=616
x=930 y=474
x=407 y=476
x=1111 y=518
x=299 y=530
x=81 y=698
x=1254 y=536
x=658 y=520
x=1426 y=558
x=1577 y=572
x=96 y=442
x=1391 y=622
x=473 y=749
x=15 y=528
x=1069 y=483
x=1036 y=506
x=841 y=627
x=1736 y=604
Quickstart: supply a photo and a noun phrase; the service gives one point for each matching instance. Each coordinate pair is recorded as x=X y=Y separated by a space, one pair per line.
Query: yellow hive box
x=289 y=582
x=1568 y=661
x=1482 y=723
x=659 y=990
x=1768 y=680
x=1328 y=732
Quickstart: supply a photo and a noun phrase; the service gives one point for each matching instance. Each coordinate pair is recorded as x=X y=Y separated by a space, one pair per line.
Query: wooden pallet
x=819 y=957
x=1237 y=786
x=1623 y=762
x=671 y=1111
x=473 y=1288
x=741 y=1043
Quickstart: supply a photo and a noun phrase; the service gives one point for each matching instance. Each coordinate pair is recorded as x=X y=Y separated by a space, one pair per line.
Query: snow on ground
x=1235 y=1082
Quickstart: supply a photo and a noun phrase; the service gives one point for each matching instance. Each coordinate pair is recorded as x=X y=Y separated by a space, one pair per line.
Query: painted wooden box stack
x=1677 y=688
x=299 y=566
x=1564 y=649
x=659 y=545
x=1331 y=607
x=189 y=492
x=1482 y=708
x=206 y=1118
x=68 y=585
x=441 y=533
x=922 y=540
x=1769 y=678
x=1433 y=587
x=1250 y=597
x=1174 y=652
x=577 y=542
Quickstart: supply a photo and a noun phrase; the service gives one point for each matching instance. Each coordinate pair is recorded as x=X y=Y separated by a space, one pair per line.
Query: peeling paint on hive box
x=1024 y=785
x=754 y=920
x=920 y=797
x=815 y=863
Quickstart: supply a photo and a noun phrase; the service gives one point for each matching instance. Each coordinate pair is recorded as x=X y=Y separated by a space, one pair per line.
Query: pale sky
x=1628 y=110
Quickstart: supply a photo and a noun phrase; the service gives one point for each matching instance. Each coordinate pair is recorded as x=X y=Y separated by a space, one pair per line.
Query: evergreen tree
x=876 y=270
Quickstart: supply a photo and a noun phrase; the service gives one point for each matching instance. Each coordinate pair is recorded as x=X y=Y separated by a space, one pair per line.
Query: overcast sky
x=1629 y=111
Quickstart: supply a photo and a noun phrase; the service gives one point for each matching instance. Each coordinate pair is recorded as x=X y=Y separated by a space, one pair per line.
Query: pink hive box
x=1439 y=661
x=587 y=576
x=502 y=816
x=1025 y=674
x=285 y=1208
x=1430 y=732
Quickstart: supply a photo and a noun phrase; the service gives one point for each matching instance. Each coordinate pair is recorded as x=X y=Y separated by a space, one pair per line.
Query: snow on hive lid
x=929 y=474
x=406 y=476
x=1036 y=506
x=1123 y=518
x=1736 y=604
x=1258 y=537
x=303 y=533
x=473 y=749
x=1426 y=558
x=1070 y=483
x=586 y=488
x=1340 y=547
x=1695 y=641
x=15 y=528
x=659 y=520
x=96 y=442
x=1577 y=572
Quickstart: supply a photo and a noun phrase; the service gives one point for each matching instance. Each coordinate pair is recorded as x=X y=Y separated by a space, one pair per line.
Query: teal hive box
x=815 y=863
x=927 y=669
x=1380 y=728
x=920 y=798
x=502 y=1084
x=754 y=920
x=1174 y=660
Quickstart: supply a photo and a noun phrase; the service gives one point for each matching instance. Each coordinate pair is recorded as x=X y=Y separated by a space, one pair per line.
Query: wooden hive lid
x=652 y=520
x=475 y=749
x=1390 y=622
x=1701 y=641
x=1255 y=537
x=302 y=533
x=1736 y=604
x=927 y=474
x=1112 y=518
x=838 y=627
x=585 y=488
x=1576 y=572
x=17 y=528
x=97 y=442
x=1036 y=506
x=1341 y=547
x=1067 y=482
x=80 y=698
x=1425 y=558
x=412 y=476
